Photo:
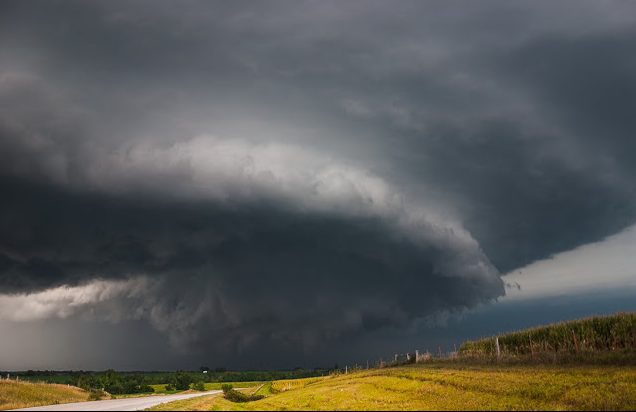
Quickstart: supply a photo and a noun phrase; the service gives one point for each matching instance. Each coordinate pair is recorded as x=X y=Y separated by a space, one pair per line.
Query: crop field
x=14 y=395
x=451 y=385
x=595 y=334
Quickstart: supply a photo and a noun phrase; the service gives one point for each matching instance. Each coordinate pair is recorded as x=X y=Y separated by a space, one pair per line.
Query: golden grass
x=290 y=384
x=14 y=395
x=452 y=386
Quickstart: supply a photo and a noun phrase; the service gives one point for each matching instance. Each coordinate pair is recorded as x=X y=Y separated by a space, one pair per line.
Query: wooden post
x=396 y=358
x=497 y=347
x=381 y=363
x=346 y=369
x=417 y=355
x=576 y=344
x=531 y=348
x=440 y=352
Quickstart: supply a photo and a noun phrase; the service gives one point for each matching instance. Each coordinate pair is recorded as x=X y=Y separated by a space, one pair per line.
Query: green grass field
x=161 y=389
x=14 y=395
x=451 y=385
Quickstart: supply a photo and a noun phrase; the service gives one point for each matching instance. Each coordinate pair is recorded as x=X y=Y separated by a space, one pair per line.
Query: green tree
x=182 y=381
x=112 y=382
x=84 y=382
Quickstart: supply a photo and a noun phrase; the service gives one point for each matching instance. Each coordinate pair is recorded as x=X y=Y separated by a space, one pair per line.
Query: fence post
x=497 y=347
x=417 y=355
x=396 y=359
x=531 y=348
x=576 y=344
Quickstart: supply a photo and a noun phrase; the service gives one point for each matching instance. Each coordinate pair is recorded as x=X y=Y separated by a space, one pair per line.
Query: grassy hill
x=583 y=364
x=451 y=385
x=15 y=395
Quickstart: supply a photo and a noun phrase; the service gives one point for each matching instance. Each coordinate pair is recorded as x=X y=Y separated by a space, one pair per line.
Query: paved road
x=128 y=404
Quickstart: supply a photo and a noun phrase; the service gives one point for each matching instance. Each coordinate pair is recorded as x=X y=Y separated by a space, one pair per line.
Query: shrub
x=170 y=388
x=182 y=381
x=200 y=386
x=226 y=387
x=238 y=397
x=96 y=395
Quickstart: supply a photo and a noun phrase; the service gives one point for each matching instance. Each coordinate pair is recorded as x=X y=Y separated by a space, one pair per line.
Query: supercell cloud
x=251 y=174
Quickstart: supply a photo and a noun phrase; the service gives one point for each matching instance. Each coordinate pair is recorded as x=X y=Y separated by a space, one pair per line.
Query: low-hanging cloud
x=240 y=240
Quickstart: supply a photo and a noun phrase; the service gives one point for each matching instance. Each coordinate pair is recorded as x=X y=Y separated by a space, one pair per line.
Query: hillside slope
x=14 y=395
x=452 y=385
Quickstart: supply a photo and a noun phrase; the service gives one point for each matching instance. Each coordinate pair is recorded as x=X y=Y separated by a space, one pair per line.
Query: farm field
x=15 y=395
x=451 y=385
x=593 y=335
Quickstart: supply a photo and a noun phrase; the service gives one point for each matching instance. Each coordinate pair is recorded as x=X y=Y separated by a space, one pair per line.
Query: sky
x=266 y=185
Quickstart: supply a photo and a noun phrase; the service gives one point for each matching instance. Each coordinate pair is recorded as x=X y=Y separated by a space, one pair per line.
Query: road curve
x=127 y=404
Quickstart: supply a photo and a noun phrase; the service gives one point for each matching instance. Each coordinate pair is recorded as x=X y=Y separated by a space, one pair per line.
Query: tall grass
x=594 y=334
x=289 y=384
x=15 y=395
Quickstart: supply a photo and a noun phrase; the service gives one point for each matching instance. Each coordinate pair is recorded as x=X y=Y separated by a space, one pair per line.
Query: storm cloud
x=301 y=172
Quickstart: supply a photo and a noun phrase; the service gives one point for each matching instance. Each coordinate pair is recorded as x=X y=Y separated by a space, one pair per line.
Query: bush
x=182 y=381
x=170 y=388
x=226 y=387
x=96 y=395
x=238 y=397
x=200 y=386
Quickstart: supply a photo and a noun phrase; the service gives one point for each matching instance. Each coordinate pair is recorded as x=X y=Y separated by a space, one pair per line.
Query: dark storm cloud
x=243 y=272
x=313 y=171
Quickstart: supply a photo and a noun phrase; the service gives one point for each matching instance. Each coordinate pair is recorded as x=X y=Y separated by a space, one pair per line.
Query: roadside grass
x=205 y=403
x=265 y=390
x=452 y=386
x=161 y=389
x=15 y=395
